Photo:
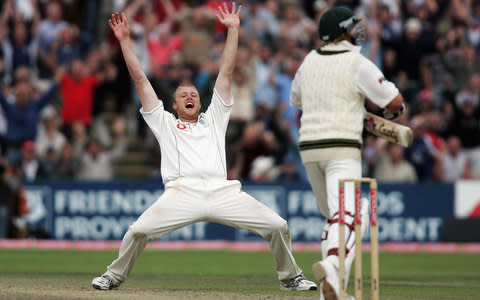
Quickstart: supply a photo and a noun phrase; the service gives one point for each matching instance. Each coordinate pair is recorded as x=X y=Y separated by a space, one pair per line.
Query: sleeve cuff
x=159 y=106
x=221 y=99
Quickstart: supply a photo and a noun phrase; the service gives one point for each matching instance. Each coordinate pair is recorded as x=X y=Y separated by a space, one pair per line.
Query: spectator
x=50 y=137
x=206 y=76
x=420 y=154
x=197 y=26
x=67 y=165
x=262 y=62
x=462 y=63
x=29 y=168
x=71 y=44
x=296 y=25
x=436 y=131
x=474 y=158
x=465 y=97
x=22 y=115
x=266 y=94
x=48 y=31
x=284 y=84
x=27 y=9
x=262 y=22
x=79 y=139
x=391 y=167
x=96 y=163
x=455 y=164
x=389 y=64
x=243 y=87
x=425 y=102
x=255 y=142
x=49 y=161
x=411 y=49
x=77 y=90
x=49 y=28
x=390 y=25
x=18 y=51
x=465 y=124
x=108 y=93
x=162 y=39
x=289 y=170
x=473 y=32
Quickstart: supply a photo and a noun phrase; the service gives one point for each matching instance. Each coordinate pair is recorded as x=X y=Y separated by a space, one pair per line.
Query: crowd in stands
x=69 y=109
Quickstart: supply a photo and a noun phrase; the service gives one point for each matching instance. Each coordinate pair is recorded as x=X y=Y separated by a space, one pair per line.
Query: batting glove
x=393 y=116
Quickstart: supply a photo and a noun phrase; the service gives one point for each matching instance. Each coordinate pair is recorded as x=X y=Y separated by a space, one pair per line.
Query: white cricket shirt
x=191 y=149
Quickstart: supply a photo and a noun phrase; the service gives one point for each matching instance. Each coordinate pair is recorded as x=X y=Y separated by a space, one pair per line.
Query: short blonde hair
x=183 y=85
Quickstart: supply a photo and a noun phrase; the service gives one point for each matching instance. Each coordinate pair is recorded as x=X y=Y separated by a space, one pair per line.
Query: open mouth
x=189 y=105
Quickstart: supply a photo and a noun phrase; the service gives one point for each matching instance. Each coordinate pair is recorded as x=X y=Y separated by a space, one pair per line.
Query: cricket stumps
x=358 y=240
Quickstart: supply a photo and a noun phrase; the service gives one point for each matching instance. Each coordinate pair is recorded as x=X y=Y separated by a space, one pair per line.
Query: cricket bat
x=389 y=130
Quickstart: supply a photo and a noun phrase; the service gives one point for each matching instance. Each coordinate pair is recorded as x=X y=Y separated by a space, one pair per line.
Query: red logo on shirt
x=181 y=126
x=381 y=80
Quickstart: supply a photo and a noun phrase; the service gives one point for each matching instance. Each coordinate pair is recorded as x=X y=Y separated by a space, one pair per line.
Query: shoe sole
x=312 y=288
x=98 y=287
x=327 y=289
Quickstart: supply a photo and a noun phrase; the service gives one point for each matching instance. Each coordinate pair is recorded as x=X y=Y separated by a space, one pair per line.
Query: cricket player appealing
x=193 y=167
x=329 y=87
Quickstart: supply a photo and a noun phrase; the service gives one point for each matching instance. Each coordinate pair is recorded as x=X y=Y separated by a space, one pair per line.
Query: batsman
x=330 y=88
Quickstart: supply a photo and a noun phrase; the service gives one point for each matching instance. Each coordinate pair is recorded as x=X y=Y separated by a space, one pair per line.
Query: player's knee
x=279 y=225
x=138 y=231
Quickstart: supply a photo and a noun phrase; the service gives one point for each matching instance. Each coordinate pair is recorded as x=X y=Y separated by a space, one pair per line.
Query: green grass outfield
x=198 y=274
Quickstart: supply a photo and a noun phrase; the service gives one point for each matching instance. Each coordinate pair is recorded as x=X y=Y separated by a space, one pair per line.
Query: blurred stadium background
x=78 y=163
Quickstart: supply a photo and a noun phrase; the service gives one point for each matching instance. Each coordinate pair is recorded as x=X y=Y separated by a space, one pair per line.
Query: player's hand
x=230 y=19
x=119 y=25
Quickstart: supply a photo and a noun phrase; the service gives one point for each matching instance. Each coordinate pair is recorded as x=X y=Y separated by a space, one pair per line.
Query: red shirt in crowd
x=78 y=98
x=213 y=5
x=160 y=53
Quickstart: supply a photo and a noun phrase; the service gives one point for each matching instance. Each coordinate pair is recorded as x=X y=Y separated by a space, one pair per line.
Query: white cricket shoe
x=105 y=282
x=327 y=274
x=298 y=283
x=347 y=296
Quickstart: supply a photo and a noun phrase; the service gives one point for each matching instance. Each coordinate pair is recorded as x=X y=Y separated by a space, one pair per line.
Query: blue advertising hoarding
x=103 y=211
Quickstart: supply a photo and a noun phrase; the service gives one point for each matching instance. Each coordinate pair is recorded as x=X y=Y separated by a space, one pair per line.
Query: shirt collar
x=200 y=118
x=342 y=45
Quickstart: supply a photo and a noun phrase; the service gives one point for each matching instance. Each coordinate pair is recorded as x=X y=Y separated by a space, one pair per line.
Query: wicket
x=358 y=239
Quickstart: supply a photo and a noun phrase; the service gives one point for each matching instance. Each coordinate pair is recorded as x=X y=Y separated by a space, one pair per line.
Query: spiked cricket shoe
x=105 y=282
x=298 y=283
x=326 y=273
x=347 y=296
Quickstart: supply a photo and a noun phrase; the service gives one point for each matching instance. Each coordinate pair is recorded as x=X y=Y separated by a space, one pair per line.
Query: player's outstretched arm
x=119 y=25
x=231 y=19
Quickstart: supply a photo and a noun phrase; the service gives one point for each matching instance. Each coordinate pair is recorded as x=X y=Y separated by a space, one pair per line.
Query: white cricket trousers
x=189 y=200
x=324 y=178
